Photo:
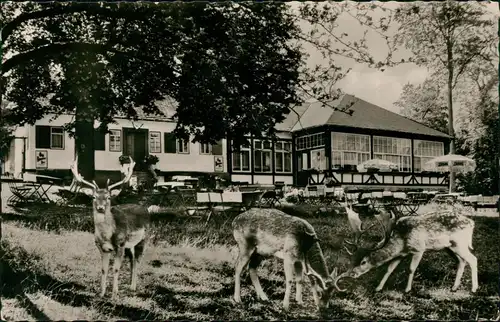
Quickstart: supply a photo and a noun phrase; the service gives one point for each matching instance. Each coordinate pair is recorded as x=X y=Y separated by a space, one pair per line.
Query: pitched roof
x=365 y=115
x=292 y=118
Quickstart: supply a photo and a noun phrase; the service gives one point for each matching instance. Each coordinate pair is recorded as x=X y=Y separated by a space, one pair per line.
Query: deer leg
x=255 y=260
x=133 y=267
x=120 y=253
x=415 y=260
x=460 y=273
x=313 y=290
x=288 y=264
x=242 y=260
x=105 y=257
x=392 y=266
x=464 y=254
x=299 y=276
x=137 y=252
x=472 y=260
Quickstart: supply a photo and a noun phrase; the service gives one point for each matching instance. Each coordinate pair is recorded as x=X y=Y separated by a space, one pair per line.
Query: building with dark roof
x=328 y=144
x=315 y=144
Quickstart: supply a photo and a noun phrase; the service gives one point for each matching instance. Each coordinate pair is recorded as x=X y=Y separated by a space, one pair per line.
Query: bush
x=151 y=159
x=292 y=199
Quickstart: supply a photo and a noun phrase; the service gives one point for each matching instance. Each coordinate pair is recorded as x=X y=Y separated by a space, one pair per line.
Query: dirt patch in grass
x=187 y=273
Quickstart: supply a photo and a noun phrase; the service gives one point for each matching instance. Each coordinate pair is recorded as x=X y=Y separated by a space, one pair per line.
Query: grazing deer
x=413 y=235
x=270 y=232
x=117 y=228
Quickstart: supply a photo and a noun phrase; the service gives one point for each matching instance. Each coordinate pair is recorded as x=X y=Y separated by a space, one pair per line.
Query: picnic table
x=33 y=188
x=225 y=201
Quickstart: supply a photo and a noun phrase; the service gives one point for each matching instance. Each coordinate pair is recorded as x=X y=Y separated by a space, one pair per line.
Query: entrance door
x=135 y=145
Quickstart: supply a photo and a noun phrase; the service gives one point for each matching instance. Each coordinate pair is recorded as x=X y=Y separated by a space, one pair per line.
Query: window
x=182 y=146
x=349 y=150
x=310 y=141
x=99 y=140
x=205 y=148
x=394 y=150
x=42 y=136
x=115 y=143
x=262 y=156
x=241 y=159
x=56 y=138
x=154 y=142
x=424 y=151
x=217 y=148
x=170 y=143
x=283 y=156
x=318 y=159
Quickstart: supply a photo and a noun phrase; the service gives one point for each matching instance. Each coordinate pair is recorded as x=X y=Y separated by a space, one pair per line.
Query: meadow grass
x=51 y=269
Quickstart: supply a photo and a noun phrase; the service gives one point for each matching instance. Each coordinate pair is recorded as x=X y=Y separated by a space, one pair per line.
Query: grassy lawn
x=51 y=270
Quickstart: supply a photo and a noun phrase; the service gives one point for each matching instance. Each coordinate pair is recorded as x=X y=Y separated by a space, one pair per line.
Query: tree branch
x=92 y=8
x=56 y=48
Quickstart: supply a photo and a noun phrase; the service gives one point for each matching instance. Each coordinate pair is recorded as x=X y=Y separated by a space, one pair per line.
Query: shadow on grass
x=31 y=308
x=19 y=278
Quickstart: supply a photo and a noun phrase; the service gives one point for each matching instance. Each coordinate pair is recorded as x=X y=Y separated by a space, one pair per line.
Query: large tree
x=425 y=103
x=448 y=37
x=97 y=60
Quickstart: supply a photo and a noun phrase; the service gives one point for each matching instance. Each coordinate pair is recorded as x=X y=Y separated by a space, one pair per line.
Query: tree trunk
x=451 y=131
x=84 y=141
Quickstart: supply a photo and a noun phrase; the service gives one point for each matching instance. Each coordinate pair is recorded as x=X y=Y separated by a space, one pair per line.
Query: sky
x=376 y=87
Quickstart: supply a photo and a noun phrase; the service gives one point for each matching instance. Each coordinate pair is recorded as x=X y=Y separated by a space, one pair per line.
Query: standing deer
x=116 y=229
x=412 y=236
x=270 y=232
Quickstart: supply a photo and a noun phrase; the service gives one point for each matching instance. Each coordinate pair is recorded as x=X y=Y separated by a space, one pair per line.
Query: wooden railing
x=343 y=178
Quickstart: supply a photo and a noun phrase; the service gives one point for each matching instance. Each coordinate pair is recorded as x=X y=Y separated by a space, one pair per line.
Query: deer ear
x=88 y=191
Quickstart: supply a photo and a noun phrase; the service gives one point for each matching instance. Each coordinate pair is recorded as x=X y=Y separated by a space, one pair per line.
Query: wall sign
x=41 y=157
x=218 y=163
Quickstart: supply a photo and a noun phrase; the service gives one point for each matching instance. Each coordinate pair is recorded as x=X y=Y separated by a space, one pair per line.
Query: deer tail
x=470 y=241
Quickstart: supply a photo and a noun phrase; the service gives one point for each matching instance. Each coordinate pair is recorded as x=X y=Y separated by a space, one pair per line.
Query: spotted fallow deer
x=412 y=236
x=117 y=228
x=261 y=232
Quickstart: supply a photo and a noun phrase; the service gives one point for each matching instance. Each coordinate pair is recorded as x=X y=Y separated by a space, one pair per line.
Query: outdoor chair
x=20 y=193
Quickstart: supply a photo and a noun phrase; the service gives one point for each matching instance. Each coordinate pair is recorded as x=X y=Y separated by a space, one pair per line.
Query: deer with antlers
x=270 y=232
x=121 y=229
x=412 y=236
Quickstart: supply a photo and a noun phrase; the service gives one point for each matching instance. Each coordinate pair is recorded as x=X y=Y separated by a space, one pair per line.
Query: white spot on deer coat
x=135 y=238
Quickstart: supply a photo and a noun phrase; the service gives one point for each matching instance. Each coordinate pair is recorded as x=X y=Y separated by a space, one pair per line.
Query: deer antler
x=128 y=175
x=356 y=225
x=78 y=177
x=337 y=279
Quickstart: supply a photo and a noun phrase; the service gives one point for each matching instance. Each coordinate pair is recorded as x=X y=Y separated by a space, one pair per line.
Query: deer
x=263 y=232
x=117 y=229
x=412 y=236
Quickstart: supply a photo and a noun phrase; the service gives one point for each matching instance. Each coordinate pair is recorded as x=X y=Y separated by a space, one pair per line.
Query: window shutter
x=170 y=143
x=42 y=137
x=99 y=141
x=217 y=148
